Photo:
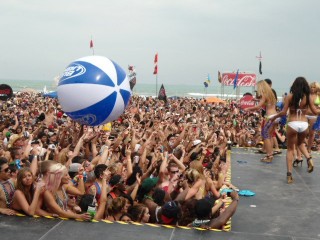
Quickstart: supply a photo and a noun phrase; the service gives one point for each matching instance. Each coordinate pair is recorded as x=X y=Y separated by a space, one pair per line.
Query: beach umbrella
x=214 y=100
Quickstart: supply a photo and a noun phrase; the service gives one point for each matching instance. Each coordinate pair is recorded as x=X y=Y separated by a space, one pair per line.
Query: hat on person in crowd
x=26 y=134
x=74 y=167
x=169 y=212
x=35 y=141
x=59 y=114
x=137 y=147
x=13 y=138
x=196 y=142
x=148 y=184
x=115 y=179
x=203 y=208
x=51 y=134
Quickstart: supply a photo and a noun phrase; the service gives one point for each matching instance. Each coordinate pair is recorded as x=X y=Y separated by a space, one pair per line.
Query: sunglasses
x=72 y=197
x=6 y=170
x=174 y=172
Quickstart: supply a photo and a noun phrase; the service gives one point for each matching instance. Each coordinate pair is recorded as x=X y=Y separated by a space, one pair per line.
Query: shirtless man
x=7 y=188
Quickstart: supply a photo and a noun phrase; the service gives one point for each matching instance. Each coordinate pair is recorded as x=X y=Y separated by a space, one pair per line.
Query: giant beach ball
x=93 y=90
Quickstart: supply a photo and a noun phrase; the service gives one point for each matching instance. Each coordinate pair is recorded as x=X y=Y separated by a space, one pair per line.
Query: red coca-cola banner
x=244 y=79
x=246 y=101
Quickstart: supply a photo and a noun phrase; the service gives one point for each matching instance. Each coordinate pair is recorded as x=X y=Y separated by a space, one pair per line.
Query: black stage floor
x=277 y=211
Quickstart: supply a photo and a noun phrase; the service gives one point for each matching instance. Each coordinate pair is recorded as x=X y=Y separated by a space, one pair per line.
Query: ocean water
x=145 y=89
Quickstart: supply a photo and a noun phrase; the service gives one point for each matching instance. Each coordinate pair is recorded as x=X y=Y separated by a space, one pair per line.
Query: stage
x=277 y=211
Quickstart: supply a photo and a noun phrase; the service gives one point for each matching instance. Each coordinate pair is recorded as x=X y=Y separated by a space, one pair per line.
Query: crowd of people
x=160 y=162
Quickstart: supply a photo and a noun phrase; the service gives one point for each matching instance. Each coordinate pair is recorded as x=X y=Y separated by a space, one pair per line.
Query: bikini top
x=63 y=203
x=317 y=100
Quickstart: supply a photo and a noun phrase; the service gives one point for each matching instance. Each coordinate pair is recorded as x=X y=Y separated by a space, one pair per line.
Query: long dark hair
x=27 y=193
x=299 y=89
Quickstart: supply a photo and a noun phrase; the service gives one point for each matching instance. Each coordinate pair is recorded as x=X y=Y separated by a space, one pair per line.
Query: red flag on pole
x=155 y=69
x=156 y=58
x=91 y=43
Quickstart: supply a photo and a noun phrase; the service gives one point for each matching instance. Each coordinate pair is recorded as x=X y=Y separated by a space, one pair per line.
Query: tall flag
x=235 y=79
x=156 y=58
x=219 y=77
x=132 y=76
x=155 y=71
x=91 y=46
x=206 y=83
x=162 y=94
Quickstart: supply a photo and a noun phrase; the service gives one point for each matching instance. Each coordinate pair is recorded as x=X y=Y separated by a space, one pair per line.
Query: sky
x=192 y=37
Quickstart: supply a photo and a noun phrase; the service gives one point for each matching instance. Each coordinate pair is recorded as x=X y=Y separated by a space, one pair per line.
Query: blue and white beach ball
x=94 y=90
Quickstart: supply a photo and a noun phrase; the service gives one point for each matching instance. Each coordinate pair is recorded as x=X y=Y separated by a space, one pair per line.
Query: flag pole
x=91 y=46
x=156 y=84
x=260 y=64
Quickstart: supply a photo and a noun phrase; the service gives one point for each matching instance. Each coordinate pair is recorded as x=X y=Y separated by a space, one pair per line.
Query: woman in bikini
x=57 y=189
x=297 y=104
x=315 y=98
x=28 y=193
x=268 y=101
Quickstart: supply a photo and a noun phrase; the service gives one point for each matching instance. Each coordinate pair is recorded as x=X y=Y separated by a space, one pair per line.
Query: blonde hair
x=192 y=175
x=197 y=165
x=55 y=174
x=316 y=85
x=265 y=90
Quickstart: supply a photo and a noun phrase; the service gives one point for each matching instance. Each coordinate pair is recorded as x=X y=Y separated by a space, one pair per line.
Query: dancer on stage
x=267 y=99
x=298 y=102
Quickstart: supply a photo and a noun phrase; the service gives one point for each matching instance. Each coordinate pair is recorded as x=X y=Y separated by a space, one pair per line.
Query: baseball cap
x=74 y=167
x=169 y=212
x=149 y=183
x=196 y=142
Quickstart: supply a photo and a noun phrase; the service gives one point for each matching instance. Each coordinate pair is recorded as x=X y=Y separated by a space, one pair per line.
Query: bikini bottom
x=298 y=126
